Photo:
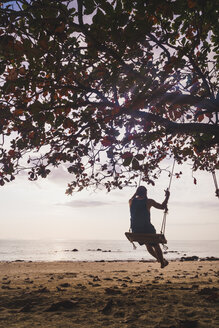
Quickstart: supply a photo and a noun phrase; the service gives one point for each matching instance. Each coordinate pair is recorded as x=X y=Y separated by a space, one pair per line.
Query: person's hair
x=141 y=192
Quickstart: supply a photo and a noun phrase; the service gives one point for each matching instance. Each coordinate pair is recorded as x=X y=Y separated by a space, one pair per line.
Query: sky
x=42 y=210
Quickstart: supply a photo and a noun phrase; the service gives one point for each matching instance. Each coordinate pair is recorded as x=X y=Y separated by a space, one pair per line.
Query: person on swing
x=140 y=207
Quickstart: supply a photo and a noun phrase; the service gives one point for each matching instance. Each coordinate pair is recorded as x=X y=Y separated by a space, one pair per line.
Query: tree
x=108 y=89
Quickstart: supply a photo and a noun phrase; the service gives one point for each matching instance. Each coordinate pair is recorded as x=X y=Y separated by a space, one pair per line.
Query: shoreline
x=193 y=258
x=129 y=294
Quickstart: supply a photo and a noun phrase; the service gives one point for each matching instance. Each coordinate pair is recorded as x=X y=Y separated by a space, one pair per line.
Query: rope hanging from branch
x=162 y=231
x=215 y=183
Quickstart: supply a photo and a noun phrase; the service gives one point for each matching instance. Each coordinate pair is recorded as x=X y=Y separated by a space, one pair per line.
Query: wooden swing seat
x=144 y=238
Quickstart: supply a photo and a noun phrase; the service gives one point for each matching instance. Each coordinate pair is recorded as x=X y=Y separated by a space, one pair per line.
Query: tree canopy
x=109 y=89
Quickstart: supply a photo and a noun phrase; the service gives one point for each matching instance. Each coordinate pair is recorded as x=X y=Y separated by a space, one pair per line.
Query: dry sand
x=109 y=294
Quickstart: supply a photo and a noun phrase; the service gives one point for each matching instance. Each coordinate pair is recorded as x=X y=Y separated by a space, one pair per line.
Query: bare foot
x=164 y=264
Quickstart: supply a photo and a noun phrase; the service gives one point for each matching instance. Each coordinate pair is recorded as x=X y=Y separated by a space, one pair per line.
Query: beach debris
x=6 y=282
x=108 y=307
x=60 y=277
x=112 y=291
x=62 y=305
x=28 y=281
x=60 y=289
x=210 y=258
x=167 y=252
x=154 y=281
x=126 y=280
x=6 y=287
x=194 y=277
x=43 y=290
x=124 y=285
x=96 y=285
x=80 y=286
x=99 y=250
x=71 y=274
x=65 y=284
x=96 y=278
x=189 y=258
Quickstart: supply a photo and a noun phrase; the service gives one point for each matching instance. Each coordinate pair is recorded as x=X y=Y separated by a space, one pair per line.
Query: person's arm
x=159 y=206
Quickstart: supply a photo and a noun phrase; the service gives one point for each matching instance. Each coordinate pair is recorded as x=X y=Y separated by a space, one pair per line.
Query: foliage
x=108 y=89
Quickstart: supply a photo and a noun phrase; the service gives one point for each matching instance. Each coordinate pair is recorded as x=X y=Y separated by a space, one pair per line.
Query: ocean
x=98 y=250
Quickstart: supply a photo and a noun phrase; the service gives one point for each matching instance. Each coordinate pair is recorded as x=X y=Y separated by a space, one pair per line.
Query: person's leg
x=160 y=256
x=152 y=251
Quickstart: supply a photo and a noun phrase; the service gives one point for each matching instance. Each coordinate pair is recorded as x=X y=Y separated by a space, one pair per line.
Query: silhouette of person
x=140 y=207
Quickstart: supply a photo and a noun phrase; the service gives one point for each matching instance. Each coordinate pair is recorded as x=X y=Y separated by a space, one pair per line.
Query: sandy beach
x=109 y=294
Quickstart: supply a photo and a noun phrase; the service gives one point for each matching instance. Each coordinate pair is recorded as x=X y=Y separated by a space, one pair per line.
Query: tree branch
x=175 y=128
x=159 y=43
x=199 y=72
x=183 y=99
x=80 y=13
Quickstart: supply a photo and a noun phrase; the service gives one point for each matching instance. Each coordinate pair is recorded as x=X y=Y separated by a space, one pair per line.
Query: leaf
x=60 y=28
x=140 y=157
x=135 y=164
x=99 y=18
x=43 y=43
x=2 y=182
x=127 y=161
x=89 y=7
x=191 y=4
x=2 y=67
x=126 y=155
x=201 y=117
x=18 y=112
x=106 y=141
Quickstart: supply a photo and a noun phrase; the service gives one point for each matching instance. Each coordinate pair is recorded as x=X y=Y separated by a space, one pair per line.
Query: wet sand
x=109 y=294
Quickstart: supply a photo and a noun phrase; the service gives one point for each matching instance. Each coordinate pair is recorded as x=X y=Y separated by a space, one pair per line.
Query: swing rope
x=215 y=183
x=162 y=231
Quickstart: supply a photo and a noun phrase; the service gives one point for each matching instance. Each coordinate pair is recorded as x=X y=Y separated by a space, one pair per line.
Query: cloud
x=199 y=204
x=88 y=203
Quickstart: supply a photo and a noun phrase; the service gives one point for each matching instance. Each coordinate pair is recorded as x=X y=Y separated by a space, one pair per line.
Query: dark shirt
x=140 y=217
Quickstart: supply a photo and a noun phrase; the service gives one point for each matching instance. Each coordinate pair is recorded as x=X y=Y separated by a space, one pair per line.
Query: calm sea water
x=97 y=250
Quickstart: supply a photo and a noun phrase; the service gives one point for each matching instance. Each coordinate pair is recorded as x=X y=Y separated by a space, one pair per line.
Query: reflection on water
x=97 y=250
